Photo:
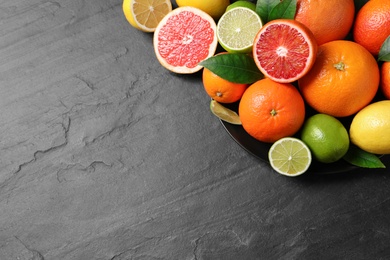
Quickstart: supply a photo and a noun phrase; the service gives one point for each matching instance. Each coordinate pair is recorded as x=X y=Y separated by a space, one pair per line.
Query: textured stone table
x=104 y=154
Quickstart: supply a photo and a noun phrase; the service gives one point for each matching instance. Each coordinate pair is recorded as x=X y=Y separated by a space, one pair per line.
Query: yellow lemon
x=215 y=8
x=370 y=128
x=144 y=14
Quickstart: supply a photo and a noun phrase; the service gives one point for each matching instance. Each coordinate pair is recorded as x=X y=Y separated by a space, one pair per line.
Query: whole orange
x=385 y=79
x=372 y=25
x=328 y=19
x=269 y=110
x=220 y=89
x=343 y=80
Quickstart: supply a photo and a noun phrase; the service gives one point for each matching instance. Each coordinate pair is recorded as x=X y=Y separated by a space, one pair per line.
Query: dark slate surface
x=107 y=155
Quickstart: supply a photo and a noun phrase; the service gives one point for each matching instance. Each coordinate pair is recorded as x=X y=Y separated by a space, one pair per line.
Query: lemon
x=145 y=15
x=370 y=128
x=224 y=113
x=237 y=29
x=289 y=156
x=215 y=8
x=326 y=137
x=242 y=3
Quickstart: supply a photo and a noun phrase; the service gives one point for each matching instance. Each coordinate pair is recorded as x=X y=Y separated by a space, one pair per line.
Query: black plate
x=260 y=149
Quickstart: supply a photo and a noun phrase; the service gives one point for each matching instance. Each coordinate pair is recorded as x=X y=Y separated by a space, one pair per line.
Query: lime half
x=237 y=29
x=289 y=156
x=224 y=113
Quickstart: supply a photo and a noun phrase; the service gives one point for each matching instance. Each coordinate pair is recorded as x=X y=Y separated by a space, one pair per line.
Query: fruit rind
x=326 y=137
x=370 y=128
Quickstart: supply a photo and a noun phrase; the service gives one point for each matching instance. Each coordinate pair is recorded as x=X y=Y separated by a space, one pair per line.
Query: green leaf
x=234 y=67
x=286 y=9
x=264 y=7
x=384 y=53
x=360 y=158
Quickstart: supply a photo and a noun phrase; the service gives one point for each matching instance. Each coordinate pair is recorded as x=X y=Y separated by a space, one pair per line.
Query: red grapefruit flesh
x=183 y=38
x=284 y=50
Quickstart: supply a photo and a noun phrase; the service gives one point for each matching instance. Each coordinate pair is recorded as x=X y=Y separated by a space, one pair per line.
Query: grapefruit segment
x=284 y=50
x=184 y=38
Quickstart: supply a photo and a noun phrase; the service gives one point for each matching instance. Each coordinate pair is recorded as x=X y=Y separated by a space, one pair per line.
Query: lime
x=326 y=137
x=242 y=3
x=237 y=29
x=224 y=113
x=289 y=156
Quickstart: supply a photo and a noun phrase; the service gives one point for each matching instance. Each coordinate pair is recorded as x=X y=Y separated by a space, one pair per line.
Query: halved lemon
x=146 y=14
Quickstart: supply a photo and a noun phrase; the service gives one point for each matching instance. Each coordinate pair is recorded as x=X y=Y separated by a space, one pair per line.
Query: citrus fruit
x=145 y=14
x=221 y=89
x=289 y=156
x=372 y=25
x=385 y=79
x=370 y=128
x=284 y=50
x=237 y=28
x=241 y=3
x=215 y=8
x=224 y=113
x=343 y=80
x=270 y=110
x=183 y=38
x=326 y=137
x=328 y=20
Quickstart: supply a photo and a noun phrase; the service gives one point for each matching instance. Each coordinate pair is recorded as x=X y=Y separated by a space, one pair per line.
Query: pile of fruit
x=298 y=70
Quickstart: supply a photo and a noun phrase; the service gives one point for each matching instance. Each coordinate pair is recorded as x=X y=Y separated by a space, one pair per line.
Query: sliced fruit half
x=146 y=14
x=183 y=38
x=290 y=156
x=284 y=50
x=237 y=28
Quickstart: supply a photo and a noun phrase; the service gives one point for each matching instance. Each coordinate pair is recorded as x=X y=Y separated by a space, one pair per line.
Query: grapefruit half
x=183 y=38
x=284 y=50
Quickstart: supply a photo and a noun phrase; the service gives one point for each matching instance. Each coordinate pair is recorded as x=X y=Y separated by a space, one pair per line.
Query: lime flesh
x=290 y=156
x=224 y=113
x=237 y=29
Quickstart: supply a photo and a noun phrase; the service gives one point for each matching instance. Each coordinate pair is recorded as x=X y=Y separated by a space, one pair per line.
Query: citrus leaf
x=284 y=10
x=361 y=158
x=234 y=67
x=224 y=113
x=264 y=7
x=384 y=53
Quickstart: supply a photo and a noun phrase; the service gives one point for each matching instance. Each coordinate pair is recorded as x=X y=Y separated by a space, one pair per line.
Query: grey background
x=104 y=154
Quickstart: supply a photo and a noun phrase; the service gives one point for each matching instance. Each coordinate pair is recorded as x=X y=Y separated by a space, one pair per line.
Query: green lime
x=224 y=113
x=237 y=29
x=289 y=156
x=326 y=137
x=241 y=3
